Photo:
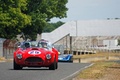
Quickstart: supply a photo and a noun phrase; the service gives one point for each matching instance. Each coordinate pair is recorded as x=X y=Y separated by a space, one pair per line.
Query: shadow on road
x=33 y=69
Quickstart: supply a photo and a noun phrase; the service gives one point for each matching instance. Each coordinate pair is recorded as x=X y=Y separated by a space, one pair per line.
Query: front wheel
x=53 y=65
x=16 y=66
x=56 y=65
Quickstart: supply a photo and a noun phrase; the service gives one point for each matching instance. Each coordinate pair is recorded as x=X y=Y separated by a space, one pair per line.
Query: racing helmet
x=43 y=43
x=27 y=45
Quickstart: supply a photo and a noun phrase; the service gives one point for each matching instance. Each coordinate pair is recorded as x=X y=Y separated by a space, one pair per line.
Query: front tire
x=56 y=65
x=53 y=66
x=16 y=66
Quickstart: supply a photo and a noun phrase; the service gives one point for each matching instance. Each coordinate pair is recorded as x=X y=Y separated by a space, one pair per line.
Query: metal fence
x=9 y=48
x=63 y=45
x=68 y=45
x=86 y=44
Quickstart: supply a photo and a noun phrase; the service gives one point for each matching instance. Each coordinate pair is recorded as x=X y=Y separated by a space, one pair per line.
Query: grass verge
x=99 y=71
x=97 y=55
x=2 y=58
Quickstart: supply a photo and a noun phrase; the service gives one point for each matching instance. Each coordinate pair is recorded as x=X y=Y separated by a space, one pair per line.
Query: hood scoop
x=34 y=48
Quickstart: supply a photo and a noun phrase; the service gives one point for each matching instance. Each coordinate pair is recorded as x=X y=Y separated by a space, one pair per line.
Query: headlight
x=48 y=56
x=19 y=56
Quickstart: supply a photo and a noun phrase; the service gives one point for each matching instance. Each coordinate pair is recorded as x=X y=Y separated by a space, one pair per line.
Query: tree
x=11 y=17
x=51 y=26
x=28 y=16
x=118 y=41
x=41 y=11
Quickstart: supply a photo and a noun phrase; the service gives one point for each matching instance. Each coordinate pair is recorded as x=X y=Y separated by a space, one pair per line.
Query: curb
x=70 y=77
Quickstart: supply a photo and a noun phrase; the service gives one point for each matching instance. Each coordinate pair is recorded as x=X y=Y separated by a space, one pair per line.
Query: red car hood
x=42 y=50
x=35 y=52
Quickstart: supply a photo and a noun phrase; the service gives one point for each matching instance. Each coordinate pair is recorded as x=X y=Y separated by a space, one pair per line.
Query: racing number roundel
x=34 y=52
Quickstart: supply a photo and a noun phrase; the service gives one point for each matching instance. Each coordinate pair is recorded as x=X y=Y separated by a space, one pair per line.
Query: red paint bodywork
x=35 y=60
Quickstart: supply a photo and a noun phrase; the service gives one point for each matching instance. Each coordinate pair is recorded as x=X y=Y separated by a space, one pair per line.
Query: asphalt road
x=64 y=71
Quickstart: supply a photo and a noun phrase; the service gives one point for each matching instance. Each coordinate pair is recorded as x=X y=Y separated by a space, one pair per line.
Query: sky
x=91 y=10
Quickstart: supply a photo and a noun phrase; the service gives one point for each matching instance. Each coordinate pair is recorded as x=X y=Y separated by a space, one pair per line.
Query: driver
x=44 y=45
x=27 y=45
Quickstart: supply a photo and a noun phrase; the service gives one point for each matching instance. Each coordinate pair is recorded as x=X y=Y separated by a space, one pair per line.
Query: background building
x=86 y=34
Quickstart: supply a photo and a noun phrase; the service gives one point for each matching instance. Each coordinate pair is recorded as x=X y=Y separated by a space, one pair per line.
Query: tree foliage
x=11 y=17
x=118 y=41
x=28 y=16
x=52 y=26
x=41 y=11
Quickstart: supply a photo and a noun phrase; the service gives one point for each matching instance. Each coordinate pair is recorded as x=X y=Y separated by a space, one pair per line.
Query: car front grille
x=33 y=59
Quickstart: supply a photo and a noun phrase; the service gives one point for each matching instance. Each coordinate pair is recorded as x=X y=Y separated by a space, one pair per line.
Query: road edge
x=70 y=77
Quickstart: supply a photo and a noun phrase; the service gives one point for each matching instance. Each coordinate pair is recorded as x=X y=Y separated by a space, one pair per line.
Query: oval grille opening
x=34 y=59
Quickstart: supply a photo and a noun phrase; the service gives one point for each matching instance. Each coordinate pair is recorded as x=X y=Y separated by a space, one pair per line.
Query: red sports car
x=35 y=54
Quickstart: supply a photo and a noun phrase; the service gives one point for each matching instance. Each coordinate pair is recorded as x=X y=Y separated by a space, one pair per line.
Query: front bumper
x=34 y=62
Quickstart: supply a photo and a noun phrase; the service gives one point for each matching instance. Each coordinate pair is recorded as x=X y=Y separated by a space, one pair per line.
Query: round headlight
x=48 y=56
x=19 y=56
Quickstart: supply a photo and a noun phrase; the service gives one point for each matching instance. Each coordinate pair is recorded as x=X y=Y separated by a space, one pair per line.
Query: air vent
x=34 y=48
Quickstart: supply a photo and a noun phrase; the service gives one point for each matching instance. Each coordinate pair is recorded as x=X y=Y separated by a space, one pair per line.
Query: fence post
x=70 y=45
x=79 y=60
